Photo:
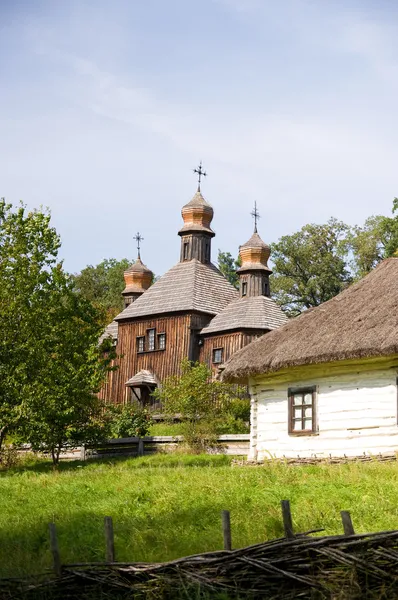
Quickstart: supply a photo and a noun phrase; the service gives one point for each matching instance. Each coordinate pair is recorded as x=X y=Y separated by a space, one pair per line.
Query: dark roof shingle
x=257 y=312
x=188 y=286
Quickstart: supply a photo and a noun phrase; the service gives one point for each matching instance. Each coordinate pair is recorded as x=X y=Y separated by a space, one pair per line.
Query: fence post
x=226 y=529
x=83 y=452
x=140 y=447
x=287 y=519
x=55 y=550
x=109 y=540
x=347 y=523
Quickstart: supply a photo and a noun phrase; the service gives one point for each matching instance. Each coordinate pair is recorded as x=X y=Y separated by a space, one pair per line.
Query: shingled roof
x=188 y=286
x=256 y=312
x=360 y=322
x=111 y=331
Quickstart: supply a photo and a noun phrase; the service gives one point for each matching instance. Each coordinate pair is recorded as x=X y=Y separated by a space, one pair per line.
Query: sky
x=106 y=107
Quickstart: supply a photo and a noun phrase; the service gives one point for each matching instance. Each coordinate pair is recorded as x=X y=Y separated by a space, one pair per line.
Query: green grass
x=164 y=428
x=167 y=506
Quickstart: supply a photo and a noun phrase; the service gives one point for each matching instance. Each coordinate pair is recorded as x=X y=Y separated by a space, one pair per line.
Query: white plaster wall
x=356 y=414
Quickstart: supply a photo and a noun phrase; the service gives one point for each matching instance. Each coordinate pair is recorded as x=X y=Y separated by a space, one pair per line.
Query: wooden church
x=192 y=311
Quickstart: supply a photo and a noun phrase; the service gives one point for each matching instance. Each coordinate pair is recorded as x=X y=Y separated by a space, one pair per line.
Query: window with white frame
x=302 y=410
x=161 y=341
x=140 y=344
x=151 y=340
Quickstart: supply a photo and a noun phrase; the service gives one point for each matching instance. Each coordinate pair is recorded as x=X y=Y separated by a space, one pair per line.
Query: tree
x=390 y=231
x=61 y=407
x=201 y=402
x=50 y=364
x=376 y=240
x=28 y=250
x=368 y=245
x=103 y=285
x=228 y=266
x=310 y=266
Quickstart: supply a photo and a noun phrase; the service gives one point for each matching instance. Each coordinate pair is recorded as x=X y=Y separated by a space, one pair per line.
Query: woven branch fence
x=348 y=566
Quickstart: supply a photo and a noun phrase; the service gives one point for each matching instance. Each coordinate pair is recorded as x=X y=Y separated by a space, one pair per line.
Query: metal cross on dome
x=256 y=215
x=138 y=237
x=200 y=173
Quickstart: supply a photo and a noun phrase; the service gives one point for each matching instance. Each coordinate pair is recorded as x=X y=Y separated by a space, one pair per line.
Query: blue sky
x=106 y=107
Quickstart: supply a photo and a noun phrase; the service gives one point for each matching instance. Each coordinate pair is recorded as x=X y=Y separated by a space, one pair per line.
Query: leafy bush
x=128 y=420
x=239 y=408
x=8 y=457
x=203 y=404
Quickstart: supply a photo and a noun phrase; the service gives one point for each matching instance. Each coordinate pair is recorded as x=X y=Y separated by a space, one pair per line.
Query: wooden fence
x=232 y=444
x=347 y=566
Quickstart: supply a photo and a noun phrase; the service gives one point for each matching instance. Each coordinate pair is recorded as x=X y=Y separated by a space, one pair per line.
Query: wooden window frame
x=138 y=339
x=302 y=390
x=159 y=335
x=244 y=289
x=217 y=362
x=148 y=331
x=185 y=251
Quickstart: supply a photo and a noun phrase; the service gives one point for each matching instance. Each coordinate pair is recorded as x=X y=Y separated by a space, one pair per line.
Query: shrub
x=128 y=420
x=202 y=403
x=239 y=408
x=8 y=457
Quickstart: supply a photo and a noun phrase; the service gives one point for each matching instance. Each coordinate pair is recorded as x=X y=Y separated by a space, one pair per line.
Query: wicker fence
x=299 y=565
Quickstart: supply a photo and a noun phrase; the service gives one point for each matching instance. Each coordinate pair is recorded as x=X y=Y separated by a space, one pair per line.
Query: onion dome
x=197 y=216
x=138 y=278
x=254 y=255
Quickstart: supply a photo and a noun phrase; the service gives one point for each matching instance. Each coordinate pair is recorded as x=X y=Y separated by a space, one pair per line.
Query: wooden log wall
x=179 y=331
x=231 y=342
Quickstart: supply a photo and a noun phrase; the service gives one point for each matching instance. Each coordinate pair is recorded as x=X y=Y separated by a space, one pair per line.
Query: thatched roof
x=256 y=312
x=360 y=322
x=188 y=286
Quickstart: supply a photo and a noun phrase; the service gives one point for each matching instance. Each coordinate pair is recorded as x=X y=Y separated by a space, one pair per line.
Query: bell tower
x=196 y=232
x=254 y=271
x=138 y=277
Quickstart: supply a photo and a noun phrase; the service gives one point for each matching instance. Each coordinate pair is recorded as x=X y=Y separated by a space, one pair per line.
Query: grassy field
x=166 y=506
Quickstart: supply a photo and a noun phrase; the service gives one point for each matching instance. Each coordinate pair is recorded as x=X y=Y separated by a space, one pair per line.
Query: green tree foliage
x=368 y=245
x=28 y=250
x=390 y=231
x=127 y=420
x=310 y=266
x=103 y=285
x=203 y=403
x=50 y=364
x=228 y=266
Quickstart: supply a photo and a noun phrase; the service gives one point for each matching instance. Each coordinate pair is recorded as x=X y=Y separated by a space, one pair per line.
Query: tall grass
x=166 y=506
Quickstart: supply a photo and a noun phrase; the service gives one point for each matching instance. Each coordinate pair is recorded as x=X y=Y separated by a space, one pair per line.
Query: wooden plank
x=347 y=523
x=109 y=540
x=55 y=550
x=226 y=529
x=287 y=519
x=140 y=447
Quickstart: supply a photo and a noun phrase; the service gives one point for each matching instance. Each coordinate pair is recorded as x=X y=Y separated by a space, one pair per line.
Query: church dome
x=197 y=215
x=254 y=254
x=138 y=278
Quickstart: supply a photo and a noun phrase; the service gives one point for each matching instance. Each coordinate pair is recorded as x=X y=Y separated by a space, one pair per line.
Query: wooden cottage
x=326 y=382
x=191 y=312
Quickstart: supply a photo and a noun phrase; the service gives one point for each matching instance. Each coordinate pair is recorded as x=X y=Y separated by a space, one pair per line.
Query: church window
x=218 y=355
x=151 y=339
x=140 y=344
x=161 y=341
x=302 y=405
x=244 y=288
x=186 y=248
